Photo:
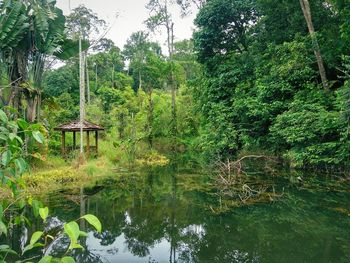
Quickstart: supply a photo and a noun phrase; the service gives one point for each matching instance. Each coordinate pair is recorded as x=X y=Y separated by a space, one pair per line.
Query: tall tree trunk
x=82 y=98
x=39 y=107
x=31 y=98
x=150 y=118
x=170 y=42
x=140 y=80
x=113 y=77
x=305 y=6
x=87 y=80
x=96 y=79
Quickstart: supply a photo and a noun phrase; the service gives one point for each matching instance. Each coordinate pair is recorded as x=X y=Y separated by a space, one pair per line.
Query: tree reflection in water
x=164 y=216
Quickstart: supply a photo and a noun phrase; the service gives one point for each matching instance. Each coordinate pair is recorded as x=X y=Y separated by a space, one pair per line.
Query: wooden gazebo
x=74 y=127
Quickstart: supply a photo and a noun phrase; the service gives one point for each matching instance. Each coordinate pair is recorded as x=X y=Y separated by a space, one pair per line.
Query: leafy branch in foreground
x=15 y=135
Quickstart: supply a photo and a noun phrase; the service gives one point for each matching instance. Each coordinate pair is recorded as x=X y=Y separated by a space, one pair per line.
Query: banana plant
x=30 y=32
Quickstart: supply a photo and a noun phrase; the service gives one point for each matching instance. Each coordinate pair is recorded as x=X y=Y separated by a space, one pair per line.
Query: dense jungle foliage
x=259 y=78
x=261 y=88
x=249 y=80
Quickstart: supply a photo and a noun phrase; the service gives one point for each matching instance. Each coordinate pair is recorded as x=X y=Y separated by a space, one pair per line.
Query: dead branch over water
x=234 y=181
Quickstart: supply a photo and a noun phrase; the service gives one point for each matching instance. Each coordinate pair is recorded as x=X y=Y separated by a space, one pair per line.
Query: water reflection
x=162 y=216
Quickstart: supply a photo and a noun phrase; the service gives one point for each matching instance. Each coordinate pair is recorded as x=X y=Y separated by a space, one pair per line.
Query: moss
x=55 y=177
x=153 y=159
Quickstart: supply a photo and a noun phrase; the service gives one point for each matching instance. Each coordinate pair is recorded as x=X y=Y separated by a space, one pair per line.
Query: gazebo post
x=96 y=142
x=74 y=140
x=63 y=143
x=88 y=142
x=74 y=127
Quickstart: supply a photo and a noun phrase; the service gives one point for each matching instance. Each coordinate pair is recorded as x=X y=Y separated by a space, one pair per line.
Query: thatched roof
x=75 y=126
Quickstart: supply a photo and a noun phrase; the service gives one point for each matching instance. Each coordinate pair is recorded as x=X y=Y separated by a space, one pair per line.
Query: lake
x=162 y=215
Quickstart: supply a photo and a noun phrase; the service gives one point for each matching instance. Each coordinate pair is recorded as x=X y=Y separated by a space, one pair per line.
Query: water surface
x=163 y=216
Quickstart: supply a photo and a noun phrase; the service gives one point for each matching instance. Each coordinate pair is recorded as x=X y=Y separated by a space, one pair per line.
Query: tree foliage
x=261 y=88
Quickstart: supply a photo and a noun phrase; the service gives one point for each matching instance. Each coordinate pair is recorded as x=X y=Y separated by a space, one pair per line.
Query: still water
x=163 y=216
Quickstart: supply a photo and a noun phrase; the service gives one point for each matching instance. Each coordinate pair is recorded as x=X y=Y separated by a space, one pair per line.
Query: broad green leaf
x=21 y=165
x=3 y=137
x=44 y=212
x=93 y=220
x=21 y=204
x=38 y=136
x=67 y=260
x=46 y=259
x=27 y=248
x=36 y=206
x=19 y=139
x=30 y=246
x=72 y=230
x=12 y=136
x=70 y=48
x=23 y=124
x=3 y=228
x=35 y=237
x=3 y=117
x=2 y=247
x=1 y=209
x=6 y=249
x=6 y=158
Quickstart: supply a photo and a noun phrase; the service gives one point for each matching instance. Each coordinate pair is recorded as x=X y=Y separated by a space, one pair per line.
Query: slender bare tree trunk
x=96 y=79
x=140 y=80
x=150 y=118
x=305 y=6
x=170 y=42
x=113 y=82
x=82 y=98
x=87 y=80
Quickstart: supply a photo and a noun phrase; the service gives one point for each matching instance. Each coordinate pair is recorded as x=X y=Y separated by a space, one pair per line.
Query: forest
x=240 y=132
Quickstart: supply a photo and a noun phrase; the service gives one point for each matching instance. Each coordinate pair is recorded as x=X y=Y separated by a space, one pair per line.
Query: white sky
x=132 y=14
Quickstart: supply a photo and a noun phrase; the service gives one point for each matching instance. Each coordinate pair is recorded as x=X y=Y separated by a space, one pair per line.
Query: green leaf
x=35 y=237
x=83 y=234
x=3 y=137
x=21 y=165
x=38 y=136
x=30 y=246
x=72 y=230
x=19 y=139
x=36 y=206
x=22 y=124
x=67 y=260
x=3 y=228
x=27 y=248
x=93 y=220
x=21 y=203
x=77 y=246
x=6 y=249
x=6 y=158
x=46 y=259
x=70 y=48
x=12 y=136
x=2 y=247
x=3 y=117
x=44 y=212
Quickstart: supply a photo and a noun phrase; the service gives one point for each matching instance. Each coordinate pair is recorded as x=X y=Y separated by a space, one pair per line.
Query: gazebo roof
x=75 y=126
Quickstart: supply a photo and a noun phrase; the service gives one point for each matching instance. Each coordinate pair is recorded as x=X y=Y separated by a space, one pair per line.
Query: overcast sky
x=132 y=14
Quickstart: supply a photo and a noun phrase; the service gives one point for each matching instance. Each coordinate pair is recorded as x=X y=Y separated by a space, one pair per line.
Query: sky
x=131 y=15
